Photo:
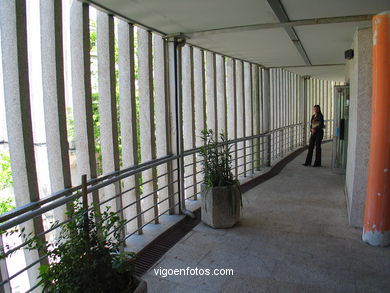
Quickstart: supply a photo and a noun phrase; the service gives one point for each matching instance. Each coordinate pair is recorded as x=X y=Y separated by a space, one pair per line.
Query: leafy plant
x=5 y=171
x=86 y=257
x=6 y=204
x=217 y=170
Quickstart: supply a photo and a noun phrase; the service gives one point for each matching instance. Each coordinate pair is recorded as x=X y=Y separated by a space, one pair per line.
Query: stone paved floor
x=293 y=237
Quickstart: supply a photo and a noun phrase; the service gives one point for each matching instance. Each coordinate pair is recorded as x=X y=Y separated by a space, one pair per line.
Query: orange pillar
x=376 y=229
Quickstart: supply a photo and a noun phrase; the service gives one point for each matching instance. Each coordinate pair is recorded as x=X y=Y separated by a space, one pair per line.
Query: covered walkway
x=293 y=237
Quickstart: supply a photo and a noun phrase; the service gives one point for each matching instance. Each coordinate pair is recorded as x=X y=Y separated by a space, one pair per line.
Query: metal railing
x=248 y=155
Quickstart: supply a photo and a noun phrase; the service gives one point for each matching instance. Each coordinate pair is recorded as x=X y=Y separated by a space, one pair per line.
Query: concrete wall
x=358 y=74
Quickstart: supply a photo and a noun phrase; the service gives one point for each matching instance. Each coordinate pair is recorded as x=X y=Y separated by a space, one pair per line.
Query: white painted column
x=81 y=91
x=128 y=120
x=211 y=92
x=146 y=110
x=54 y=98
x=267 y=114
x=188 y=119
x=107 y=106
x=255 y=117
x=248 y=114
x=200 y=104
x=161 y=114
x=221 y=94
x=240 y=115
x=18 y=115
x=199 y=94
x=230 y=98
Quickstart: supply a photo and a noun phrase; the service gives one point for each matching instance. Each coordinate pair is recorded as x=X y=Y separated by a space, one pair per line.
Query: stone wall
x=358 y=74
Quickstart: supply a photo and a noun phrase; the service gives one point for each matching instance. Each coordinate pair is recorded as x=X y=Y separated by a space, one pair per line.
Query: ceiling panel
x=173 y=16
x=325 y=44
x=271 y=47
x=304 y=9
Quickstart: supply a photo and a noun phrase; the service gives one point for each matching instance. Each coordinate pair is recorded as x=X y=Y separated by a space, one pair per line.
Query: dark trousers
x=315 y=140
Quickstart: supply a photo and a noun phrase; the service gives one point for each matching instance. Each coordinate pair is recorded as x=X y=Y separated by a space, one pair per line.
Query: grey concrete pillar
x=128 y=120
x=221 y=94
x=147 y=126
x=199 y=94
x=240 y=114
x=267 y=113
x=199 y=102
x=54 y=98
x=211 y=92
x=303 y=85
x=161 y=114
x=256 y=117
x=81 y=91
x=18 y=115
x=173 y=124
x=107 y=108
x=248 y=114
x=188 y=120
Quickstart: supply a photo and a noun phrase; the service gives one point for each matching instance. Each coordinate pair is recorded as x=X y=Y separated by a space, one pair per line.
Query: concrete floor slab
x=293 y=237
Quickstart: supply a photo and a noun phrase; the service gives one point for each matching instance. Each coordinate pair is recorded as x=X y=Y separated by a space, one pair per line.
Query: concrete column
x=81 y=91
x=147 y=127
x=200 y=102
x=234 y=73
x=230 y=98
x=173 y=124
x=240 y=113
x=256 y=117
x=211 y=92
x=221 y=94
x=161 y=114
x=303 y=104
x=359 y=76
x=128 y=120
x=18 y=115
x=188 y=113
x=54 y=98
x=107 y=107
x=376 y=229
x=199 y=94
x=267 y=114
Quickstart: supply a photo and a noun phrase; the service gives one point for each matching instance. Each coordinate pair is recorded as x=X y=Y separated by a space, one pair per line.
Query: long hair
x=319 y=109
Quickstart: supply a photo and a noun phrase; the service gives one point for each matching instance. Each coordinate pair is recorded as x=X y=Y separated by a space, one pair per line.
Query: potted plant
x=87 y=256
x=221 y=194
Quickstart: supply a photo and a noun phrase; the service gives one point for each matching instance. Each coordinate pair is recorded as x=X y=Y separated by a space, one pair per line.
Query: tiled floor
x=293 y=237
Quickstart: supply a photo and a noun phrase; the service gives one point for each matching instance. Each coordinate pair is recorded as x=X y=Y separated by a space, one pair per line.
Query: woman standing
x=317 y=133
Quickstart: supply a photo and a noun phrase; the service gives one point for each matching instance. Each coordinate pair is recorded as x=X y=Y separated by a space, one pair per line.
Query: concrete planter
x=142 y=286
x=221 y=206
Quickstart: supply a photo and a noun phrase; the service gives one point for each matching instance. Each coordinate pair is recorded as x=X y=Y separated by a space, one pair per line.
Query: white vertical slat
x=188 y=112
x=230 y=98
x=107 y=105
x=210 y=92
x=18 y=115
x=81 y=91
x=221 y=95
x=54 y=98
x=146 y=108
x=128 y=121
x=240 y=112
x=161 y=118
x=199 y=94
x=200 y=103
